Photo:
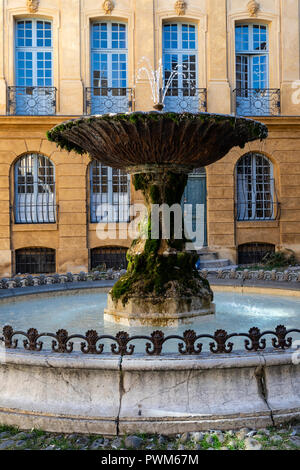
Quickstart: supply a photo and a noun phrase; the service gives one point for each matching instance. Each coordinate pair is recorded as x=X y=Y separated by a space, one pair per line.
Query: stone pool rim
x=169 y=395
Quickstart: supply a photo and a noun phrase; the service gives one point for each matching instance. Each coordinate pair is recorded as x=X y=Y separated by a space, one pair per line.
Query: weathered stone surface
x=7 y=444
x=252 y=444
x=133 y=442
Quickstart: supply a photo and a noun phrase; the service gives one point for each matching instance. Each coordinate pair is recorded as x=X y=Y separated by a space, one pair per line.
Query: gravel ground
x=284 y=438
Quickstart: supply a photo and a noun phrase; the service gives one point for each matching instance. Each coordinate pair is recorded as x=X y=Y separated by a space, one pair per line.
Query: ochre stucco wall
x=72 y=236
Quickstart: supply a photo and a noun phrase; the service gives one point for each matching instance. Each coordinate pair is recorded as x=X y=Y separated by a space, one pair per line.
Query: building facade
x=61 y=59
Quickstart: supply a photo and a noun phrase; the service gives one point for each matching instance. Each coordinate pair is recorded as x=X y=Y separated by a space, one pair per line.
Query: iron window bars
x=35 y=261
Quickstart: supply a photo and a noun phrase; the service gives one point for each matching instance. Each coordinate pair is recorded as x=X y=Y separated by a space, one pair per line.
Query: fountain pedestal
x=162 y=286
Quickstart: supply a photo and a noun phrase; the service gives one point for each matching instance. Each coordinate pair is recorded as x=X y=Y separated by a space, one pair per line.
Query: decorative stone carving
x=33 y=6
x=253 y=8
x=180 y=7
x=108 y=6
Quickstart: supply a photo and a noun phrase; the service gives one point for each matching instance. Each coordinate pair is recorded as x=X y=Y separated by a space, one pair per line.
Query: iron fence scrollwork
x=257 y=102
x=31 y=101
x=125 y=345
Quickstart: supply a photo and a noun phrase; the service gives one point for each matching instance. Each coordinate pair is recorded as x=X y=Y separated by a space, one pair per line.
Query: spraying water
x=157 y=79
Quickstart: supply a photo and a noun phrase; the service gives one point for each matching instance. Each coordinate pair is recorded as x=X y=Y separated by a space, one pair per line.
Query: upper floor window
x=34 y=94
x=180 y=67
x=34 y=190
x=109 y=194
x=252 y=69
x=109 y=68
x=256 y=196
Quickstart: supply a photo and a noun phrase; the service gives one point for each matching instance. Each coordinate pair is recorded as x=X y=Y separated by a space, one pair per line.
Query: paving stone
x=7 y=444
x=210 y=440
x=295 y=441
x=264 y=432
x=19 y=444
x=185 y=437
x=3 y=435
x=220 y=436
x=252 y=444
x=242 y=433
x=116 y=444
x=82 y=441
x=197 y=436
x=276 y=439
x=133 y=442
x=22 y=435
x=97 y=444
x=296 y=431
x=161 y=440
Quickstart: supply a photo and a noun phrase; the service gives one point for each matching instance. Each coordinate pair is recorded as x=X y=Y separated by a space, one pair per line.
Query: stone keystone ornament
x=180 y=7
x=253 y=8
x=108 y=6
x=32 y=6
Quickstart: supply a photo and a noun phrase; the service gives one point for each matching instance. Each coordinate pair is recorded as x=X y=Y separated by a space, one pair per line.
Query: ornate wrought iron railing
x=257 y=200
x=193 y=100
x=31 y=101
x=257 y=102
x=122 y=343
x=108 y=100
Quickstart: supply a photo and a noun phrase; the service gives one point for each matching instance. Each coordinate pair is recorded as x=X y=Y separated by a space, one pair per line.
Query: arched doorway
x=196 y=194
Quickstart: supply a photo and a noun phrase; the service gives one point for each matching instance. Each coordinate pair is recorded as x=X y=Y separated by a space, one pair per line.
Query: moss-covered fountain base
x=162 y=285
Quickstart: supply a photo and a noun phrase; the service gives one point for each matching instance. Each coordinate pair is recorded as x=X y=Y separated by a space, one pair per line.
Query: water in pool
x=84 y=311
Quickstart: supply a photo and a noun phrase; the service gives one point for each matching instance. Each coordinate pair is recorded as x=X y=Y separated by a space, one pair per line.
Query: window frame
x=93 y=205
x=180 y=52
x=252 y=178
x=108 y=51
x=33 y=216
x=250 y=54
x=34 y=49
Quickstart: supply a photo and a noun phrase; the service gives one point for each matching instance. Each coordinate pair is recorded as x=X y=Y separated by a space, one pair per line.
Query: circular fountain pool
x=108 y=394
x=80 y=312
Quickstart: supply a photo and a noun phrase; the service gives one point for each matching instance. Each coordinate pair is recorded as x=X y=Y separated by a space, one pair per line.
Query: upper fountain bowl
x=178 y=140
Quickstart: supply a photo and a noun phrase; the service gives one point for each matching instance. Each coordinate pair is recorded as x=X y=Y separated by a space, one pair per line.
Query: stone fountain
x=161 y=286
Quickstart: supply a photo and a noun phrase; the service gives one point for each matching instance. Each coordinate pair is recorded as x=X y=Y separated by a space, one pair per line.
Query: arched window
x=35 y=261
x=109 y=68
x=256 y=197
x=252 y=70
x=35 y=94
x=34 y=201
x=180 y=67
x=109 y=194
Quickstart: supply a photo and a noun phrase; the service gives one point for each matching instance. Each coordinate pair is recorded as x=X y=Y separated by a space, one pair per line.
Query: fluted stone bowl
x=135 y=139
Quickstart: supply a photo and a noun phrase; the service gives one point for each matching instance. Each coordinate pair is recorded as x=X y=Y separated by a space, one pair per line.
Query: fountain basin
x=168 y=395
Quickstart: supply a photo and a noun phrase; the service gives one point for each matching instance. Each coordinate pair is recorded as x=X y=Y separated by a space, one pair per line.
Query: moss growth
x=59 y=133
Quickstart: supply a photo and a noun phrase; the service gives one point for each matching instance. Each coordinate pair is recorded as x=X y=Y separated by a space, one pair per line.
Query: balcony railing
x=257 y=102
x=193 y=100
x=262 y=205
x=31 y=101
x=108 y=100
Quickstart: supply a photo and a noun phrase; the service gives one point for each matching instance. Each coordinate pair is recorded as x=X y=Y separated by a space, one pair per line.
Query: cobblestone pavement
x=283 y=438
